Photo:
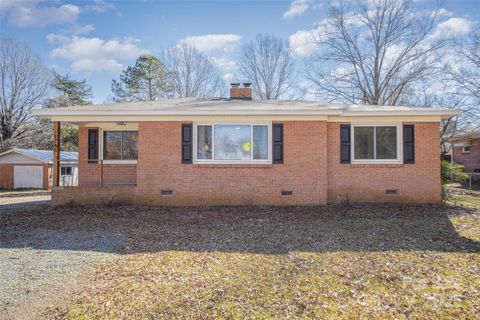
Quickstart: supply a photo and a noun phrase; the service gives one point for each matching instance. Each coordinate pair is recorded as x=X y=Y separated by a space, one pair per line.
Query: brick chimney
x=241 y=93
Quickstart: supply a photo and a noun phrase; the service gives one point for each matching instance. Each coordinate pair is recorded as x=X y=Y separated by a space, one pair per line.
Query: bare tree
x=443 y=95
x=23 y=84
x=373 y=54
x=192 y=74
x=268 y=62
x=468 y=77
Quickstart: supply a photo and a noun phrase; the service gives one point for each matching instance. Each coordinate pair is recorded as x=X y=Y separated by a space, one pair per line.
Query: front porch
x=100 y=182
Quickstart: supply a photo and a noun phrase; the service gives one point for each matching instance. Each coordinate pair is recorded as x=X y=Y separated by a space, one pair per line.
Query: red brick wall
x=418 y=183
x=471 y=160
x=89 y=174
x=311 y=170
x=304 y=171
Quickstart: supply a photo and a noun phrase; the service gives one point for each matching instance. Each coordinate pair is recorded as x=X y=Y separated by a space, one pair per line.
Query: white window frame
x=466 y=144
x=232 y=123
x=399 y=158
x=100 y=152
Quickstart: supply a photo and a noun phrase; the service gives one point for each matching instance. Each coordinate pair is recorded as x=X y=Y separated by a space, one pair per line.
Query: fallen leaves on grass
x=186 y=285
x=375 y=262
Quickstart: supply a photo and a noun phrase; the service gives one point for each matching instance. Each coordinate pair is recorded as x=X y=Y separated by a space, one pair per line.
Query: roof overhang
x=164 y=111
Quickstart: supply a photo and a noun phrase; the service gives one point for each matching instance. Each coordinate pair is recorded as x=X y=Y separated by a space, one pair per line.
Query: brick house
x=466 y=149
x=237 y=151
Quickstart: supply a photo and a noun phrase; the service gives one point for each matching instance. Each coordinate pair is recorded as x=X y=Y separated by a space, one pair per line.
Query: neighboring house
x=20 y=168
x=235 y=151
x=466 y=149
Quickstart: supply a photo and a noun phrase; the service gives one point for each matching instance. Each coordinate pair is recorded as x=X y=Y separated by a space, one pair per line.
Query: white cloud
x=95 y=54
x=453 y=27
x=210 y=42
x=442 y=12
x=99 y=6
x=27 y=15
x=224 y=64
x=297 y=7
x=7 y=5
x=303 y=42
x=39 y=13
x=78 y=29
x=227 y=66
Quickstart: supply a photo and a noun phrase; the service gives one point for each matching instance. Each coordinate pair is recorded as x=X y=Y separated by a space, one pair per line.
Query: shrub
x=451 y=172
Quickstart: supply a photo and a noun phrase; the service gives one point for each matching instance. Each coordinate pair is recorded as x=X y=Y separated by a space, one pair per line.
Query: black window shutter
x=92 y=145
x=408 y=143
x=277 y=139
x=345 y=143
x=187 y=145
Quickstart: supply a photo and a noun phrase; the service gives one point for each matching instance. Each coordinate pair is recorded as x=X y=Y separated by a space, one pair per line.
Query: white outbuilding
x=26 y=168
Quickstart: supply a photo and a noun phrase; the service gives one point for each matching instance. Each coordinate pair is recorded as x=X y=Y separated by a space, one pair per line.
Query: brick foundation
x=93 y=195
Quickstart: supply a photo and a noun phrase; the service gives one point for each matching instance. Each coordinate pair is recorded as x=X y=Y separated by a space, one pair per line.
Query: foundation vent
x=391 y=192
x=166 y=192
x=287 y=192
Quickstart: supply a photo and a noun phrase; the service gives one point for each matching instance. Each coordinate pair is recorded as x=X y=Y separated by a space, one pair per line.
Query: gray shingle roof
x=47 y=155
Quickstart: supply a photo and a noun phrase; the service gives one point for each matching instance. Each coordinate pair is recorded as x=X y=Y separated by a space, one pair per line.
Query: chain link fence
x=472 y=178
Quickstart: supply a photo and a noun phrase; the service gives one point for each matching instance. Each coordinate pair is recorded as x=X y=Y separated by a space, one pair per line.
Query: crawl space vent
x=166 y=192
x=392 y=192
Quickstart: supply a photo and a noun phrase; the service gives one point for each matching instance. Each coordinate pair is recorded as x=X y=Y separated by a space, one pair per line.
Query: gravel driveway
x=40 y=265
x=7 y=204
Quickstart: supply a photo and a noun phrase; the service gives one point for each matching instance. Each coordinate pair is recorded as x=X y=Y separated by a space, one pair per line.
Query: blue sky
x=97 y=39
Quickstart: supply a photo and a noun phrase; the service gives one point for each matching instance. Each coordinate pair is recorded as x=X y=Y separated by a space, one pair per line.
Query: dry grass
x=375 y=262
x=347 y=285
x=461 y=195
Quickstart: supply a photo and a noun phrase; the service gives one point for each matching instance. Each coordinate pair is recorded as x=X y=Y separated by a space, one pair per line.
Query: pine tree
x=147 y=80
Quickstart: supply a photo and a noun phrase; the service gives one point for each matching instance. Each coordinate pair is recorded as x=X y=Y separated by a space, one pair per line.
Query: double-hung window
x=120 y=145
x=376 y=143
x=232 y=143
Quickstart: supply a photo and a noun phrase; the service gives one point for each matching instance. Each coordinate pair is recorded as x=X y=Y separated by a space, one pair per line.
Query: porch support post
x=56 y=153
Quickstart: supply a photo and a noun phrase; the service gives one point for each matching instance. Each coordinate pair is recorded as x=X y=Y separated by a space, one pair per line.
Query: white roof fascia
x=446 y=113
x=437 y=112
x=183 y=112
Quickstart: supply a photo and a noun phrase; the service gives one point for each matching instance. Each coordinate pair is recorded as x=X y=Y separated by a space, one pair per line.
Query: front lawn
x=371 y=262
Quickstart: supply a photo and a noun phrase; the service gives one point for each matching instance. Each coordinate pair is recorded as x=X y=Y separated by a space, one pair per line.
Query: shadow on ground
x=267 y=230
